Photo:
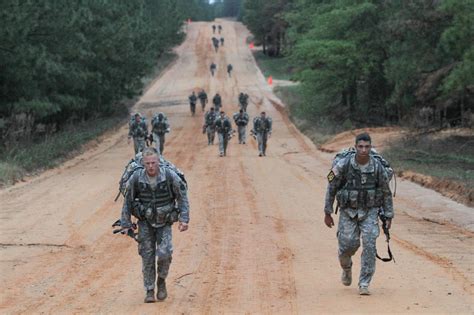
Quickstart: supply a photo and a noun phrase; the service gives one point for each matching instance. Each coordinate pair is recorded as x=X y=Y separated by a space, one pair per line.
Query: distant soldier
x=159 y=127
x=243 y=101
x=203 y=99
x=262 y=129
x=224 y=132
x=213 y=68
x=360 y=182
x=192 y=103
x=220 y=28
x=217 y=101
x=215 y=42
x=213 y=29
x=222 y=41
x=210 y=125
x=241 y=119
x=229 y=69
x=138 y=130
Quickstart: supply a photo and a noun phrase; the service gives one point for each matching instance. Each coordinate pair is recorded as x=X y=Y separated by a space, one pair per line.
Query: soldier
x=243 y=101
x=229 y=70
x=157 y=196
x=203 y=99
x=217 y=101
x=215 y=42
x=210 y=125
x=360 y=184
x=159 y=127
x=213 y=68
x=138 y=130
x=222 y=41
x=192 y=103
x=224 y=132
x=262 y=129
x=220 y=28
x=241 y=119
x=213 y=29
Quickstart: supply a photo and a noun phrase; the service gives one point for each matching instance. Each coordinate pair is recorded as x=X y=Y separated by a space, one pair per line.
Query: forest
x=376 y=62
x=68 y=61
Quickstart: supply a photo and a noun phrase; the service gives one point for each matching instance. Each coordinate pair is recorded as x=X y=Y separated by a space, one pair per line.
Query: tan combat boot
x=346 y=277
x=162 y=293
x=364 y=291
x=150 y=296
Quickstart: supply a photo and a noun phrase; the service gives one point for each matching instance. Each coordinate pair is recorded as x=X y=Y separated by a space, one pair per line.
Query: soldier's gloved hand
x=125 y=230
x=328 y=220
x=182 y=226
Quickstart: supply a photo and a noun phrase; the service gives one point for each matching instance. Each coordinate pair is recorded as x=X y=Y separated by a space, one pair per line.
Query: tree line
x=372 y=61
x=66 y=61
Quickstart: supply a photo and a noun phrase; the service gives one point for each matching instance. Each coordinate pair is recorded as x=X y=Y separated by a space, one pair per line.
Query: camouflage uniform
x=217 y=101
x=229 y=69
x=213 y=67
x=139 y=133
x=361 y=191
x=192 y=102
x=160 y=127
x=241 y=120
x=203 y=98
x=210 y=126
x=262 y=127
x=224 y=129
x=156 y=206
x=243 y=101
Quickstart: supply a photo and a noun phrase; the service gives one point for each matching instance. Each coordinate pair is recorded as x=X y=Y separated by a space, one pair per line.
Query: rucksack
x=352 y=151
x=135 y=164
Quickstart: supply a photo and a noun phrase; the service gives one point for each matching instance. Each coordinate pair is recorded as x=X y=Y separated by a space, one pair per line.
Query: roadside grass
x=49 y=151
x=318 y=129
x=449 y=157
x=277 y=67
x=28 y=158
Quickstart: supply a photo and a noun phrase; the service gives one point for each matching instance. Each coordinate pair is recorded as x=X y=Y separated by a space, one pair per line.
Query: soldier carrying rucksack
x=159 y=127
x=209 y=126
x=138 y=130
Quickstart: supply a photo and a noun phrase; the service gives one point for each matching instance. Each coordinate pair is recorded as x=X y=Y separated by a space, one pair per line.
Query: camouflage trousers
x=211 y=134
x=153 y=242
x=262 y=142
x=349 y=233
x=242 y=135
x=138 y=144
x=159 y=142
x=222 y=142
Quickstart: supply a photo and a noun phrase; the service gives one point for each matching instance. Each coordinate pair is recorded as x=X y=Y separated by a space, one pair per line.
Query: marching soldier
x=262 y=129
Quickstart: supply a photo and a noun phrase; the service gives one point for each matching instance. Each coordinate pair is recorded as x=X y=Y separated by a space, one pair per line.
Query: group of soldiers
x=218 y=122
x=138 y=131
x=213 y=68
x=156 y=192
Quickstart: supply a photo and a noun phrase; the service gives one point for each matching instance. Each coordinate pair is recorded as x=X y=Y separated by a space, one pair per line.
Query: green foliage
x=278 y=68
x=265 y=20
x=65 y=60
x=373 y=62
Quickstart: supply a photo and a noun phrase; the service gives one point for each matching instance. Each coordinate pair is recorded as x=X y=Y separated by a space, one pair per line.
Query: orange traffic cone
x=251 y=46
x=189 y=21
x=270 y=80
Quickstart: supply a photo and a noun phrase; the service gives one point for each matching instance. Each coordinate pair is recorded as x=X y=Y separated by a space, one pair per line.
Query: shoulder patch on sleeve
x=331 y=176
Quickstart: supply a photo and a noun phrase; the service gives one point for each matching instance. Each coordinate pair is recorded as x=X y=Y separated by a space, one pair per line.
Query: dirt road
x=257 y=242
